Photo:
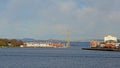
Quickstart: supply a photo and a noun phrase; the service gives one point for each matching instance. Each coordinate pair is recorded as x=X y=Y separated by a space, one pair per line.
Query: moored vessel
x=110 y=43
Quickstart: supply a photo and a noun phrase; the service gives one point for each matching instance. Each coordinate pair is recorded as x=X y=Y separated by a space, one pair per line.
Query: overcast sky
x=50 y=19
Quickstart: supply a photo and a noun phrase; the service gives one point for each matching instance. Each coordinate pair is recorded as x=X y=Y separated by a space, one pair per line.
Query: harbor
x=43 y=45
x=49 y=43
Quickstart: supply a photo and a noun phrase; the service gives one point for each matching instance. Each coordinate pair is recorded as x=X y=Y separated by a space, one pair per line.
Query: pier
x=101 y=49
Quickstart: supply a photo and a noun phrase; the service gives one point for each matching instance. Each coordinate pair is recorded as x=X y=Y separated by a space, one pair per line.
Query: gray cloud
x=44 y=19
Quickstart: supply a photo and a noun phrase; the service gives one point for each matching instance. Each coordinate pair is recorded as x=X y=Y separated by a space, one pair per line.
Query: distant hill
x=28 y=39
x=34 y=40
x=53 y=40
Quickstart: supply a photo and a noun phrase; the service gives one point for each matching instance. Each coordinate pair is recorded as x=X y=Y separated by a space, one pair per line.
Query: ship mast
x=68 y=39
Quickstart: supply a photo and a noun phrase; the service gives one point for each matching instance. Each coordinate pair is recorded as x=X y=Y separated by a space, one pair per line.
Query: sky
x=51 y=19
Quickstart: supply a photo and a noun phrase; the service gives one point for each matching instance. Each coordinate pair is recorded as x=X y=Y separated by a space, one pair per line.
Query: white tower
x=68 y=40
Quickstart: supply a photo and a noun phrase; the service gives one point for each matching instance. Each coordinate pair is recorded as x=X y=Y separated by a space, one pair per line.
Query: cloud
x=44 y=19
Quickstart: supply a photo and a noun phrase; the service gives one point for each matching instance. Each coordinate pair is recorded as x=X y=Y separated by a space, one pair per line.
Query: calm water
x=72 y=57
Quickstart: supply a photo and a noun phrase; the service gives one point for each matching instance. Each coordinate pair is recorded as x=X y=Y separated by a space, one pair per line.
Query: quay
x=101 y=49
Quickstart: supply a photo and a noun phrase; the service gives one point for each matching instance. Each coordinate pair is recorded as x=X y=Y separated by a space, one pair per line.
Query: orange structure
x=110 y=46
x=57 y=45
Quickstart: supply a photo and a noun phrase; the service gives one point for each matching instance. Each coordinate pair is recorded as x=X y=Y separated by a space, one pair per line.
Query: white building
x=31 y=44
x=110 y=38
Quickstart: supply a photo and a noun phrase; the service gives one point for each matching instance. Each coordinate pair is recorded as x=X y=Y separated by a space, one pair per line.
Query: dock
x=101 y=49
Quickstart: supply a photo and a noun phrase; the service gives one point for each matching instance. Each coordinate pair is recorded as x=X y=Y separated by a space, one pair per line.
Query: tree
x=2 y=43
x=11 y=42
x=16 y=43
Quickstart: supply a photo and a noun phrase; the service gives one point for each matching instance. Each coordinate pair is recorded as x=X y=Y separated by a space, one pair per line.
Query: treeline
x=11 y=43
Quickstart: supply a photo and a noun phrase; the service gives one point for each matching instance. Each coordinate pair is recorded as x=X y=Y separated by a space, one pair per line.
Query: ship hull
x=101 y=49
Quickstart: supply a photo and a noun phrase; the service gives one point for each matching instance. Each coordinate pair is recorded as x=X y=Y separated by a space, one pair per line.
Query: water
x=72 y=57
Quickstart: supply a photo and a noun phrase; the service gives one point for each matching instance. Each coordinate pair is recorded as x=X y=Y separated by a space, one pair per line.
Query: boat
x=110 y=43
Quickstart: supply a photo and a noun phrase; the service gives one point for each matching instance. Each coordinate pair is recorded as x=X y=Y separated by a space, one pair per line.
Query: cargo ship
x=110 y=43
